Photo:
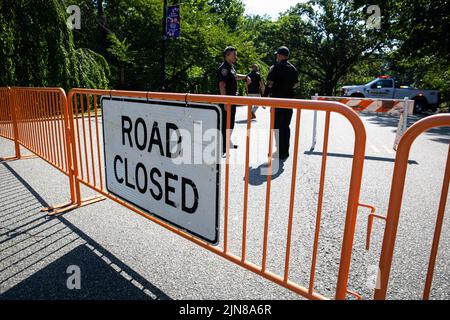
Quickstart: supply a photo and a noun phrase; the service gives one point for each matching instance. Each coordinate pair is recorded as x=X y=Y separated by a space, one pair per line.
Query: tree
x=419 y=46
x=230 y=11
x=38 y=48
x=327 y=39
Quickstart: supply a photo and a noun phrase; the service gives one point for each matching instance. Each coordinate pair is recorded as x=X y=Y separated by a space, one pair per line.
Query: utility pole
x=163 y=48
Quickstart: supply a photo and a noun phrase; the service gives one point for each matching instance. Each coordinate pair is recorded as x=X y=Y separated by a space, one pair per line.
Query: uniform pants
x=224 y=124
x=282 y=122
x=254 y=108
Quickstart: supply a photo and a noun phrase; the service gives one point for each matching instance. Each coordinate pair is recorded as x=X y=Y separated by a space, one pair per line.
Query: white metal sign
x=163 y=157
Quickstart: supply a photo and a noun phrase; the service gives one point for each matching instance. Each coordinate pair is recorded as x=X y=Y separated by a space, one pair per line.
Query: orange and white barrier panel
x=393 y=107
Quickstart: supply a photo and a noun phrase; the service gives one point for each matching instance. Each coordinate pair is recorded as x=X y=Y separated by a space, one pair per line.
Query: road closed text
x=160 y=185
x=144 y=142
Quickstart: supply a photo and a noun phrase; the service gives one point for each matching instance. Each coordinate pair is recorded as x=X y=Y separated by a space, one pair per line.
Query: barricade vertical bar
x=293 y=187
x=66 y=143
x=28 y=102
x=35 y=122
x=32 y=120
x=320 y=202
x=438 y=230
x=5 y=104
x=352 y=210
x=67 y=135
x=227 y=177
x=40 y=121
x=247 y=160
x=98 y=141
x=48 y=126
x=57 y=113
x=405 y=114
x=88 y=102
x=76 y=97
x=314 y=135
x=88 y=176
x=4 y=100
x=39 y=124
x=73 y=122
x=14 y=108
x=48 y=123
x=44 y=122
x=269 y=179
x=24 y=119
x=51 y=124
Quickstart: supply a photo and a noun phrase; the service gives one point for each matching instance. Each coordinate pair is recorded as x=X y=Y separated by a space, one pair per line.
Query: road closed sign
x=163 y=157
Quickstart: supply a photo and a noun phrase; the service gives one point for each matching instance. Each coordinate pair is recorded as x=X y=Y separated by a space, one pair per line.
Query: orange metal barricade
x=86 y=139
x=37 y=119
x=42 y=124
x=8 y=121
x=67 y=134
x=395 y=204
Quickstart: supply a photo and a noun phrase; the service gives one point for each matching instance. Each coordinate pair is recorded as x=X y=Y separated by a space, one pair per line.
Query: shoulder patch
x=271 y=68
x=224 y=71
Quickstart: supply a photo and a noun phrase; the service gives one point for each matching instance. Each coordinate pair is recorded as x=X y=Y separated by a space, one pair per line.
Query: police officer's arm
x=222 y=77
x=296 y=81
x=262 y=86
x=243 y=77
x=222 y=88
x=270 y=81
x=268 y=88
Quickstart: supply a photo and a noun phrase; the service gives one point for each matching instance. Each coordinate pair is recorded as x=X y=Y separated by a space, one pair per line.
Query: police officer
x=227 y=78
x=256 y=87
x=281 y=81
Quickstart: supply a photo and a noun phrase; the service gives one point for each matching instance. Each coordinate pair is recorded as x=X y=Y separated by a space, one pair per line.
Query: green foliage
x=202 y=41
x=231 y=12
x=38 y=48
x=92 y=70
x=419 y=45
x=120 y=43
x=328 y=38
x=120 y=49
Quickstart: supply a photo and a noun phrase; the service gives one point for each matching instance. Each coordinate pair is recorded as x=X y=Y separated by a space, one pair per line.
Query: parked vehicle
x=385 y=87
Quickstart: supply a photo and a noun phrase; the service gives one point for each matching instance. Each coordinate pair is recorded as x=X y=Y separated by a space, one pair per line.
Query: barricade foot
x=355 y=294
x=54 y=210
x=13 y=158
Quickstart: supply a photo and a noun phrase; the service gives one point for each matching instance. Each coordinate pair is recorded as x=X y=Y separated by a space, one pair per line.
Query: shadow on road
x=350 y=156
x=36 y=251
x=392 y=122
x=258 y=176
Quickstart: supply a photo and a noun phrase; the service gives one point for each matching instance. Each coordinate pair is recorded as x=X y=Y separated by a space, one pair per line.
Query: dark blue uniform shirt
x=227 y=73
x=284 y=76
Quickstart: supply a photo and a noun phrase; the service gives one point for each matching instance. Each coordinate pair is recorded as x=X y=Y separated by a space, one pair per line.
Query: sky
x=269 y=7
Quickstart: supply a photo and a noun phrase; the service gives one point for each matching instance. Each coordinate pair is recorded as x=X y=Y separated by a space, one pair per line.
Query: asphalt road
x=124 y=256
